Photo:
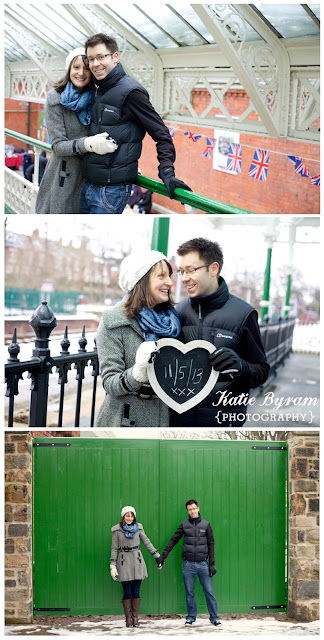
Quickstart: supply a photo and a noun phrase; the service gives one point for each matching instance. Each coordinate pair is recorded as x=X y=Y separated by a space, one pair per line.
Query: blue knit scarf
x=158 y=324
x=79 y=102
x=130 y=530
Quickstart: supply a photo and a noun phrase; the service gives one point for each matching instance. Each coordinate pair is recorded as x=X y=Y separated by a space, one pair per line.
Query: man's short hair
x=102 y=38
x=191 y=502
x=208 y=251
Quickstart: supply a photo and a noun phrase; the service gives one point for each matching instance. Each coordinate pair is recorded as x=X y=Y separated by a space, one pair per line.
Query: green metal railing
x=189 y=197
x=28 y=140
x=181 y=195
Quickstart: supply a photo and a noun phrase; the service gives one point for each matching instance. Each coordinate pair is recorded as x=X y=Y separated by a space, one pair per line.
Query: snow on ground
x=170 y=627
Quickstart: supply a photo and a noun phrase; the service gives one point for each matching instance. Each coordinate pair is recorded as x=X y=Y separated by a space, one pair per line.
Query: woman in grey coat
x=127 y=563
x=67 y=115
x=126 y=340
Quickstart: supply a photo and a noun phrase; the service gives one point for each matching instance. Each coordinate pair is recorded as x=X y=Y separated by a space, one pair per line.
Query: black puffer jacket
x=225 y=321
x=120 y=167
x=198 y=544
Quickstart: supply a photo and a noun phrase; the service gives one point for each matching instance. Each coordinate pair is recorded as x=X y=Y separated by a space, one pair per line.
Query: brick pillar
x=303 y=589
x=18 y=528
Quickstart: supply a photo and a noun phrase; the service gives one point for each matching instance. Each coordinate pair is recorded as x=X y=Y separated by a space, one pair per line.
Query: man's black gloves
x=227 y=361
x=212 y=570
x=159 y=561
x=171 y=182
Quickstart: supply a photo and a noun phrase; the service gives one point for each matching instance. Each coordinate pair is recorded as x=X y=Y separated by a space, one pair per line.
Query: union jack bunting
x=210 y=145
x=234 y=158
x=293 y=159
x=316 y=180
x=172 y=131
x=301 y=168
x=259 y=165
x=192 y=136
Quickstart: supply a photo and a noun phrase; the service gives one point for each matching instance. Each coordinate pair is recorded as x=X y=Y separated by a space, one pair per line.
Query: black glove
x=227 y=361
x=159 y=561
x=212 y=570
x=171 y=182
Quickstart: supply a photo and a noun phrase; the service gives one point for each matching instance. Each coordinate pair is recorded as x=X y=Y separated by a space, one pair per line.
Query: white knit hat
x=79 y=51
x=126 y=510
x=136 y=265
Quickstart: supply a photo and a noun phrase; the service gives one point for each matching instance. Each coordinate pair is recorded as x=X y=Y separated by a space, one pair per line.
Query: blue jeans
x=131 y=589
x=189 y=572
x=97 y=198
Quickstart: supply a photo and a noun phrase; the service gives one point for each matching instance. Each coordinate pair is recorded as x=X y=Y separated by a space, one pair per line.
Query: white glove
x=142 y=358
x=100 y=144
x=113 y=572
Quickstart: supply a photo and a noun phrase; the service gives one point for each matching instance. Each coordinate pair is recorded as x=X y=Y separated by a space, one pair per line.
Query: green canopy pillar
x=266 y=287
x=160 y=234
x=270 y=237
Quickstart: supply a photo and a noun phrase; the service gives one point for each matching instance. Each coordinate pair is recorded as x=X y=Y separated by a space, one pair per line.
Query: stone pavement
x=152 y=626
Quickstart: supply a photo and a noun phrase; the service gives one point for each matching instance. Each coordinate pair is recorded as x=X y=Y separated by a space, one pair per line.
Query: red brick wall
x=283 y=191
x=16 y=118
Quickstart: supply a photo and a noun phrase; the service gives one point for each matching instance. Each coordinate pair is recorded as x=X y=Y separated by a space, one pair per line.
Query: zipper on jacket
x=200 y=321
x=100 y=114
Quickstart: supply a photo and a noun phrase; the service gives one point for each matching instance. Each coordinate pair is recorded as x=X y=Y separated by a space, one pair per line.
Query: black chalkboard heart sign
x=181 y=374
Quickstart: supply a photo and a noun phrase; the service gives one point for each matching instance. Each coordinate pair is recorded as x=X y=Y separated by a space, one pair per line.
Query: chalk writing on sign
x=181 y=374
x=187 y=374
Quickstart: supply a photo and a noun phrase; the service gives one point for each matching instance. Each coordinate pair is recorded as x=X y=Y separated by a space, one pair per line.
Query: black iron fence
x=40 y=365
x=276 y=337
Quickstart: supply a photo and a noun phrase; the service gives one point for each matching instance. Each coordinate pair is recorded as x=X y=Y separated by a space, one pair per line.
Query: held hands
x=113 y=572
x=226 y=360
x=157 y=556
x=100 y=143
x=171 y=182
x=212 y=570
x=144 y=355
x=159 y=561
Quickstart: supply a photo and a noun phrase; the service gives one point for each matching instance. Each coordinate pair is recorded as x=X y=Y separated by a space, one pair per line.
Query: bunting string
x=260 y=162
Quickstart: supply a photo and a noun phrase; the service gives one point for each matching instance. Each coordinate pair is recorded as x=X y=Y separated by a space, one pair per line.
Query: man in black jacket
x=198 y=545
x=123 y=111
x=212 y=313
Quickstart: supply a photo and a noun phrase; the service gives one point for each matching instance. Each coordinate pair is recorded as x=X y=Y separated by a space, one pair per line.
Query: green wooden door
x=82 y=484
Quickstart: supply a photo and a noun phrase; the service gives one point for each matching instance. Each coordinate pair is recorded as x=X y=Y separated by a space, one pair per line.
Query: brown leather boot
x=127 y=604
x=135 y=606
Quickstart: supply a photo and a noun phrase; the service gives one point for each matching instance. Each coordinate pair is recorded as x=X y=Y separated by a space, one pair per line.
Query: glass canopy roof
x=158 y=25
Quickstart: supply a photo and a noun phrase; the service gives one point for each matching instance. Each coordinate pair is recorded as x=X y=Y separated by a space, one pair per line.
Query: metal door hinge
x=52 y=444
x=270 y=606
x=269 y=448
x=52 y=609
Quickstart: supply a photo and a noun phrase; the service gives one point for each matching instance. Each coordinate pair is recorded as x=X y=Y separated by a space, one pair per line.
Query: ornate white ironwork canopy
x=270 y=51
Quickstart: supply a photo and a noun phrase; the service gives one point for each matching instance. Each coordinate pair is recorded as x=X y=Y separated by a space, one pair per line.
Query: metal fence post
x=43 y=322
x=12 y=380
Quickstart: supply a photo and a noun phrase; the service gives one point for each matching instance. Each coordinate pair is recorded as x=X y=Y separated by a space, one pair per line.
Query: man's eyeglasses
x=188 y=272
x=99 y=58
